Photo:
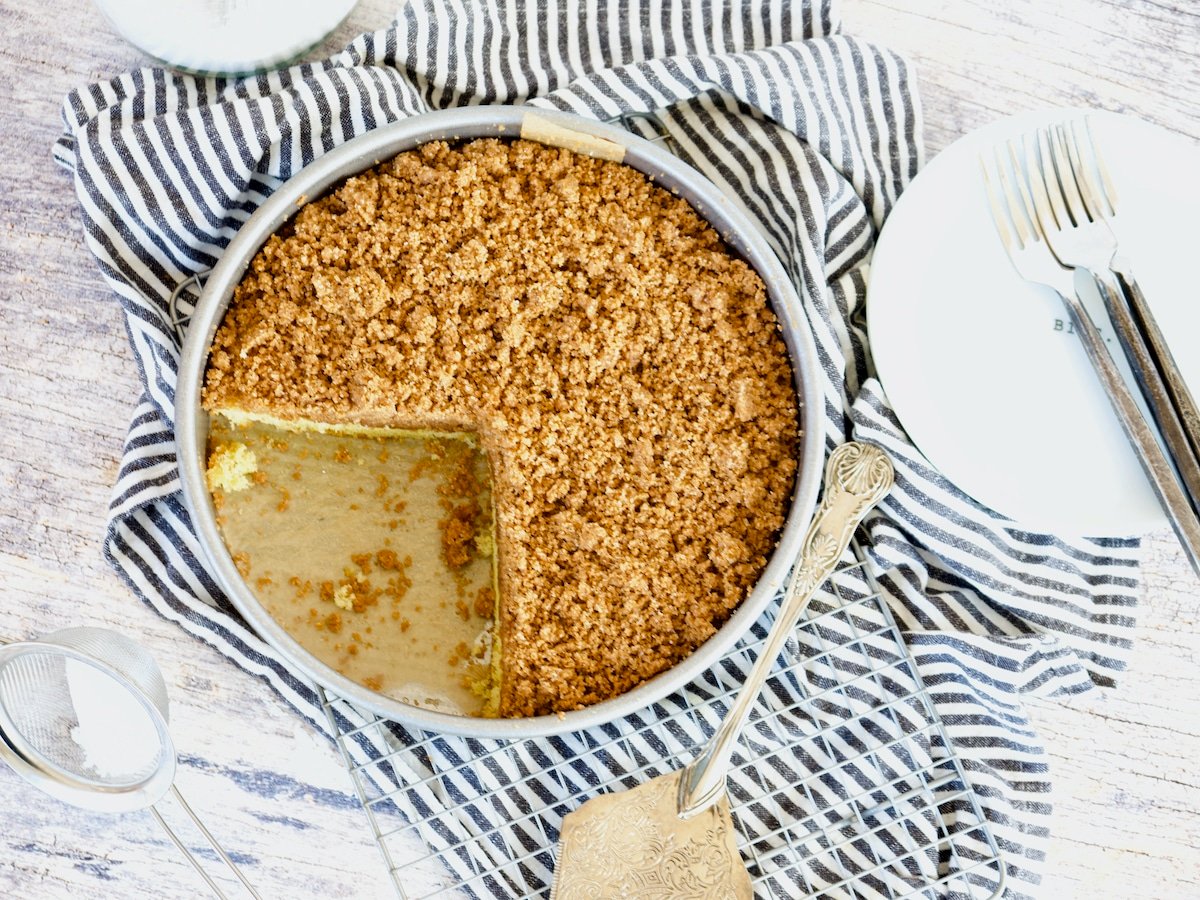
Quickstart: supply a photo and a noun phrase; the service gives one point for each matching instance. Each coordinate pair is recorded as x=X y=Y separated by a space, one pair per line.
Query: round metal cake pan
x=725 y=214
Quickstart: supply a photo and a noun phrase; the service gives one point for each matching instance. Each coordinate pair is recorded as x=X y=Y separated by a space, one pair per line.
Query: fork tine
x=1013 y=181
x=1000 y=215
x=1053 y=193
x=1033 y=187
x=1082 y=171
x=1106 y=188
x=1008 y=204
x=1066 y=177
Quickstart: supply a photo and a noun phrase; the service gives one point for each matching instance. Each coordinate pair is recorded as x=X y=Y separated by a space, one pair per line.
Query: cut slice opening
x=375 y=548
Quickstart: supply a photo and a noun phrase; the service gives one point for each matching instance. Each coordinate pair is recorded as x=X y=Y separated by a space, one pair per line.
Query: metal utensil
x=1081 y=240
x=1100 y=198
x=675 y=831
x=1015 y=203
x=63 y=696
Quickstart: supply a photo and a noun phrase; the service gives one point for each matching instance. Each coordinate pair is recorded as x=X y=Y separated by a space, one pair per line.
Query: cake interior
x=374 y=548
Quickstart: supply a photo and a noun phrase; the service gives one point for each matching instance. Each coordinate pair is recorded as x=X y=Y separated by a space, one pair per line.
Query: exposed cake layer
x=623 y=369
x=373 y=549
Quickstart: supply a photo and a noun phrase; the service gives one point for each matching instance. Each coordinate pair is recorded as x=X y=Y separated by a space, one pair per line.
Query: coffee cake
x=622 y=369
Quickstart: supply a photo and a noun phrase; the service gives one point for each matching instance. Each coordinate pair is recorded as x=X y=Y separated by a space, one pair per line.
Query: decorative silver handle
x=857 y=477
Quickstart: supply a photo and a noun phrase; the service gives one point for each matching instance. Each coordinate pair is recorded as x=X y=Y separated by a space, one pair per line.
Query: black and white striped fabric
x=816 y=133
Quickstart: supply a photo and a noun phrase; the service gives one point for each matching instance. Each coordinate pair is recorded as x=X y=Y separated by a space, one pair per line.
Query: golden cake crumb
x=343 y=597
x=623 y=370
x=242 y=562
x=231 y=467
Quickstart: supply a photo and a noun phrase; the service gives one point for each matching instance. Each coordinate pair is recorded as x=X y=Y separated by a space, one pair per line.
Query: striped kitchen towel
x=814 y=132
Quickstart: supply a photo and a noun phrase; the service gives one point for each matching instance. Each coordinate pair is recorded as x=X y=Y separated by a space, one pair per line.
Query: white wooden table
x=1127 y=796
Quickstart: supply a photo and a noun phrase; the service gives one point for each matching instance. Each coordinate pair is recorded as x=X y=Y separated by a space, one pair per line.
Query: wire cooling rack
x=845 y=783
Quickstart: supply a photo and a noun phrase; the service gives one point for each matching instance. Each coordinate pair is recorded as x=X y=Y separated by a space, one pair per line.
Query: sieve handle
x=212 y=842
x=856 y=478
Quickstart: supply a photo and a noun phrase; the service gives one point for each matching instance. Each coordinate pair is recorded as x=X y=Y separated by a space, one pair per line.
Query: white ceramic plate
x=980 y=366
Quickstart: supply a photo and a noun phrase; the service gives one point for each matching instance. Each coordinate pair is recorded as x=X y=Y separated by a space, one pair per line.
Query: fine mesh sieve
x=83 y=716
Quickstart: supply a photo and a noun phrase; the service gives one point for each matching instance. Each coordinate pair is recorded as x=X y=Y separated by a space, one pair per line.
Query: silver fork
x=1014 y=212
x=1100 y=196
x=1081 y=238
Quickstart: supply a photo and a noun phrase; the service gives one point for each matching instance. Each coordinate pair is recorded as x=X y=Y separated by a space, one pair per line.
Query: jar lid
x=225 y=37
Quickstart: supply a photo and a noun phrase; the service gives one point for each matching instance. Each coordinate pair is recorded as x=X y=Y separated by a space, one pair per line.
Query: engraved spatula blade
x=633 y=844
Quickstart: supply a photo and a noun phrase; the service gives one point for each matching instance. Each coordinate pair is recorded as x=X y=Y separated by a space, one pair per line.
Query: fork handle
x=1147 y=368
x=1166 y=485
x=1180 y=397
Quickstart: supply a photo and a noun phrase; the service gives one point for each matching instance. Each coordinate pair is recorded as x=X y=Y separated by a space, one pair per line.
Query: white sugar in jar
x=225 y=36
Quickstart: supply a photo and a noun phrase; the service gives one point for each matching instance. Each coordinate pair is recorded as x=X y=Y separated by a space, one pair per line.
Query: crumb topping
x=458 y=533
x=624 y=372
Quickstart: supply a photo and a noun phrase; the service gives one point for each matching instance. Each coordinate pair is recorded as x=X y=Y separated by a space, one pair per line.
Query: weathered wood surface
x=1127 y=796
